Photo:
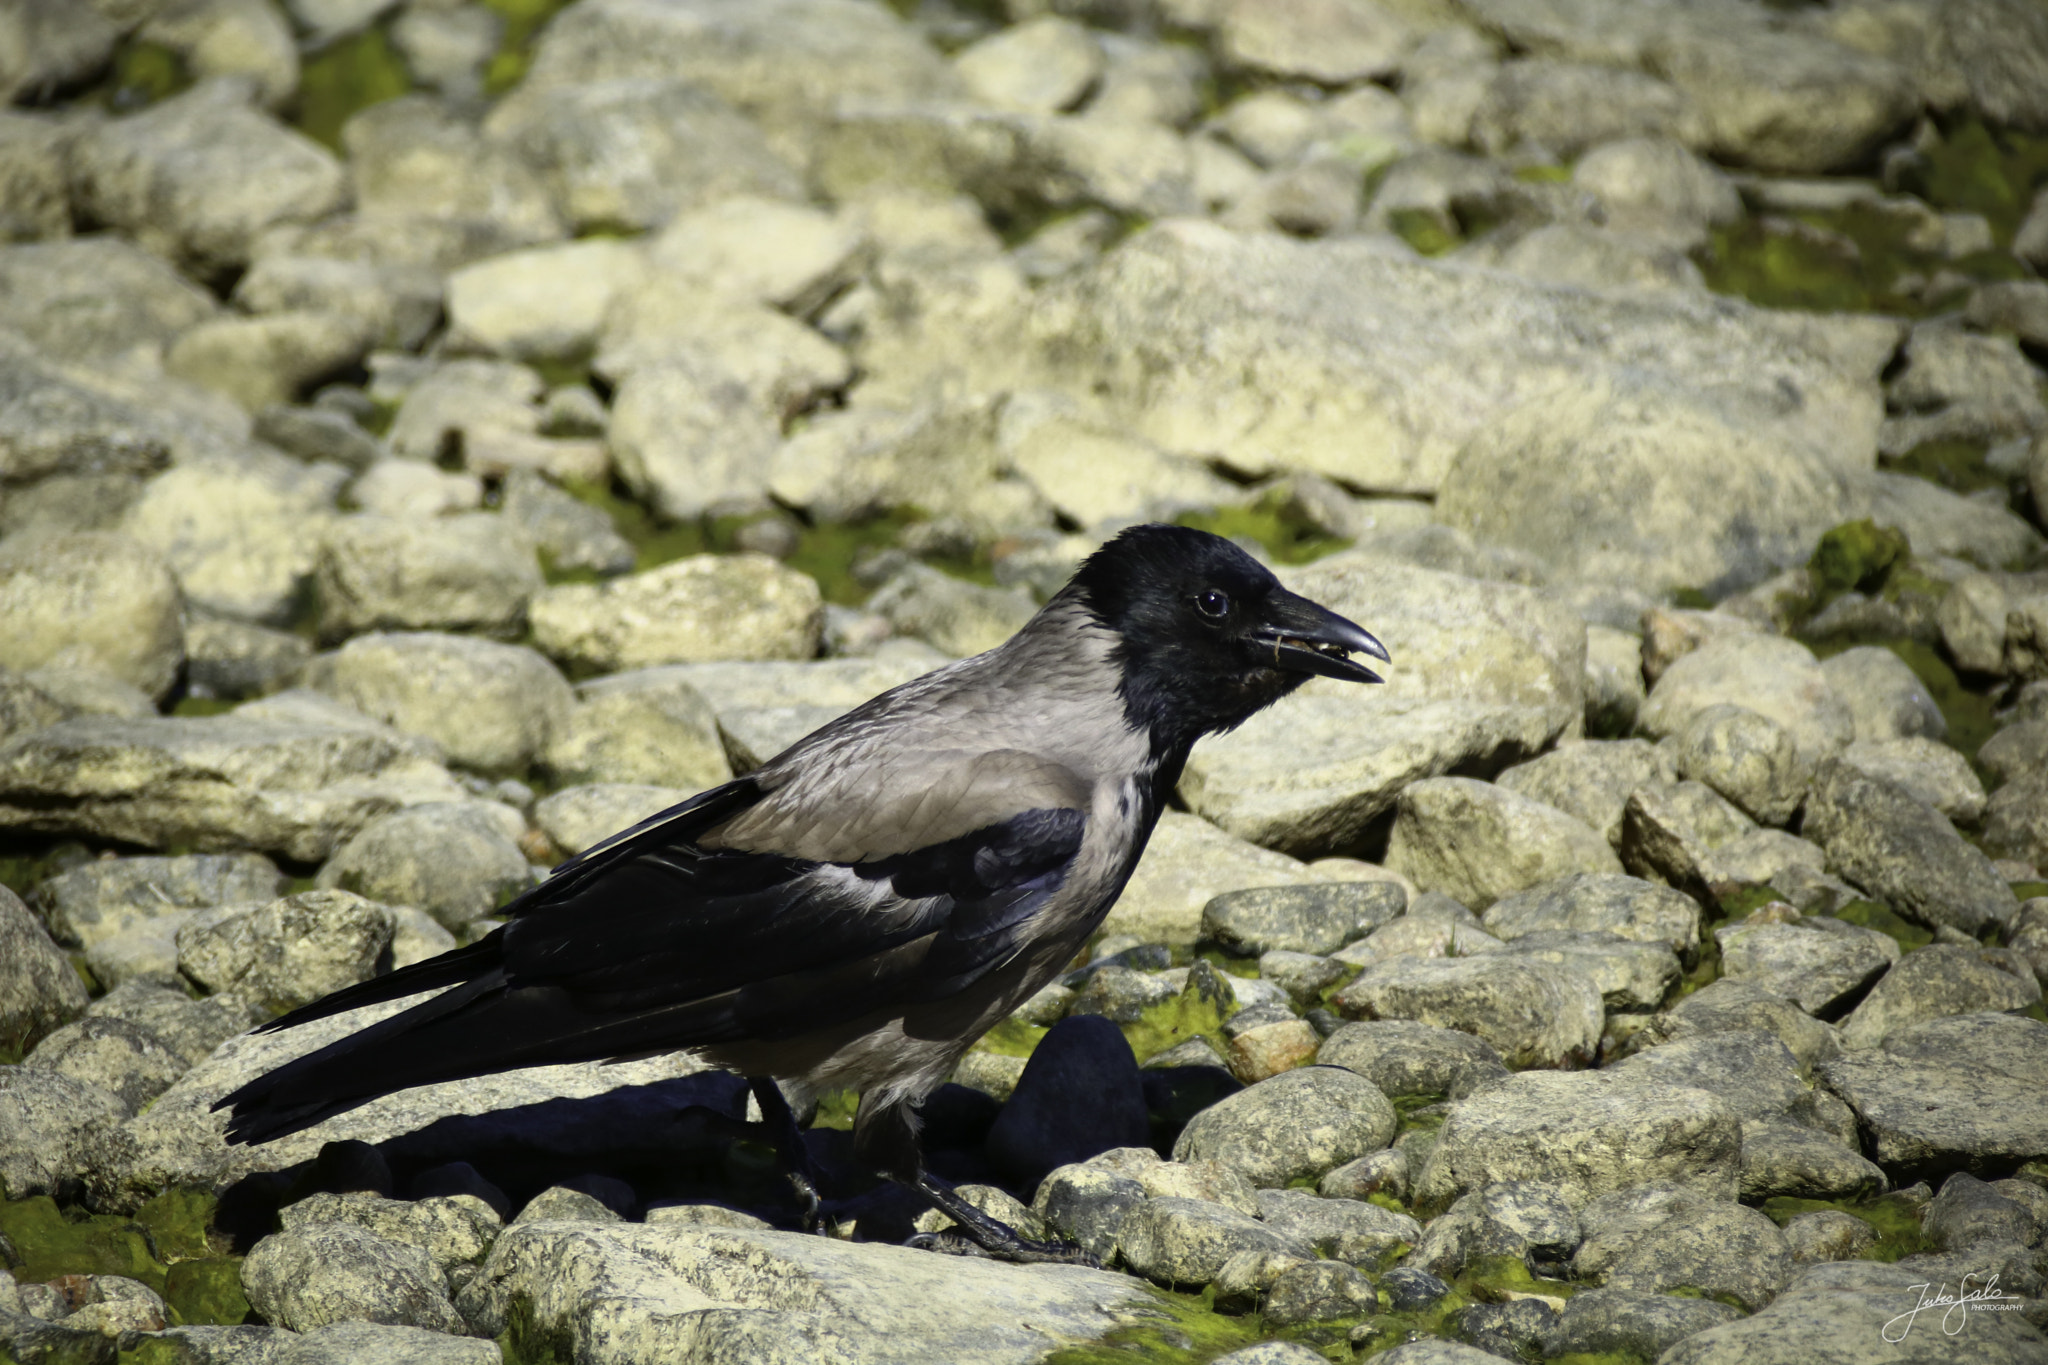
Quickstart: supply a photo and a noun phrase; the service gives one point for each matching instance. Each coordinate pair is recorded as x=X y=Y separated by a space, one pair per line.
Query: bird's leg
x=885 y=1137
x=789 y=1144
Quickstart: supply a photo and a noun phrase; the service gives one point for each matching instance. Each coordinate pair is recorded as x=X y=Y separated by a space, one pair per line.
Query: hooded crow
x=857 y=911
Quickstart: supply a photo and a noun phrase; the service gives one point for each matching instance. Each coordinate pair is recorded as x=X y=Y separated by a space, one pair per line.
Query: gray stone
x=1774 y=677
x=2018 y=749
x=297 y=788
x=1746 y=757
x=122 y=1058
x=951 y=614
x=1781 y=100
x=422 y=164
x=1566 y=107
x=242 y=538
x=577 y=817
x=1136 y=302
x=91 y=600
x=464 y=403
x=1611 y=1222
x=269 y=359
x=1096 y=475
x=1537 y=1013
x=2016 y=819
x=1422 y=933
x=560 y=1204
x=1403 y=1057
x=289 y=952
x=1821 y=965
x=456 y=861
x=1304 y=976
x=1841 y=1311
x=569 y=534
x=1429 y=1351
x=1301 y=1123
x=1325 y=45
x=32 y=179
x=630 y=153
x=1592 y=780
x=1886 y=699
x=1384 y=1173
x=1958 y=385
x=46 y=1121
x=1175 y=1241
x=488 y=706
x=1828 y=1235
x=1349 y=1230
x=1657 y=188
x=1630 y=975
x=1044 y=65
x=393 y=305
x=99 y=899
x=461 y=572
x=190 y=1028
x=1720 y=1250
x=1931 y=982
x=766 y=1295
x=1625 y=1322
x=1479 y=842
x=1187 y=864
x=1087 y=1203
x=1919 y=1114
x=1300 y=919
x=1728 y=1005
x=235 y=659
x=1318 y=1291
x=24 y=706
x=97 y=297
x=543 y=303
x=1925 y=769
x=708 y=607
x=1601 y=903
x=1751 y=1071
x=39 y=991
x=1786 y=1159
x=1903 y=852
x=1968 y=1212
x=177 y=1141
x=1586 y=1133
x=1530 y=1222
x=313 y=1274
x=401 y=488
x=1489 y=673
x=789 y=256
x=198 y=176
x=647 y=726
x=89 y=692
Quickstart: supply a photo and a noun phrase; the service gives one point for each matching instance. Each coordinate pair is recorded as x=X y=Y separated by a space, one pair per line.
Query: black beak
x=1302 y=637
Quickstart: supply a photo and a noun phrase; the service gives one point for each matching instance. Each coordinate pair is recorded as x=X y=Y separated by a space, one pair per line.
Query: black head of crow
x=858 y=910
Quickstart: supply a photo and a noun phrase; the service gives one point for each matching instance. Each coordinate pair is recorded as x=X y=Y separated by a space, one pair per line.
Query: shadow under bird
x=857 y=911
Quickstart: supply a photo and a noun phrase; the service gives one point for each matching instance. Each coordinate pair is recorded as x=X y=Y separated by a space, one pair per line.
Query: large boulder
x=1484 y=674
x=291 y=787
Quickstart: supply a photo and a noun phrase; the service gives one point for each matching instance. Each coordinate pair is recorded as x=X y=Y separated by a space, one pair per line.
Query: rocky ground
x=436 y=433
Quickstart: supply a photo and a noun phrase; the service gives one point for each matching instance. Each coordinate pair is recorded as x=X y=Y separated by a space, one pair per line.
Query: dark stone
x=459 y=1177
x=1316 y=1291
x=1080 y=1095
x=1623 y=1322
x=1515 y=1330
x=349 y=1165
x=1968 y=1211
x=1408 y=1289
x=610 y=1191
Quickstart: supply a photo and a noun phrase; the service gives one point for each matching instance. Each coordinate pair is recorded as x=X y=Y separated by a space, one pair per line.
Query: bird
x=859 y=909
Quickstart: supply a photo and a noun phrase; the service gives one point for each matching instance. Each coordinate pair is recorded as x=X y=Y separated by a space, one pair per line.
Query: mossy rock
x=207 y=1291
x=50 y=1244
x=1858 y=555
x=1897 y=1222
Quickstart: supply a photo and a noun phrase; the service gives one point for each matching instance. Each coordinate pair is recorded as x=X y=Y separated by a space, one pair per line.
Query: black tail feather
x=449 y=969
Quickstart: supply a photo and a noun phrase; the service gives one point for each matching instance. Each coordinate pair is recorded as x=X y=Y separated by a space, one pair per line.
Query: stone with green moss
x=1858 y=554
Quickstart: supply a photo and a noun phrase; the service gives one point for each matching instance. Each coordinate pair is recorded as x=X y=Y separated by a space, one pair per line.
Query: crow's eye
x=1213 y=603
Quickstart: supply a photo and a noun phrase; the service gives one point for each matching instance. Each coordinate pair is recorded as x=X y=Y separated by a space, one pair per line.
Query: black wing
x=651 y=943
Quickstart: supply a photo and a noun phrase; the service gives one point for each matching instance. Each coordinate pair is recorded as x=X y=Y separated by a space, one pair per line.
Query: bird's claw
x=1017 y=1250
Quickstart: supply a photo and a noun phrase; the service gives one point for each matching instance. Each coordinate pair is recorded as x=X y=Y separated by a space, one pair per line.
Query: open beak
x=1302 y=637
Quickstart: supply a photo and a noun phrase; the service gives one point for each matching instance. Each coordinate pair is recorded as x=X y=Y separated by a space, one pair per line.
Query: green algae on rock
x=343 y=79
